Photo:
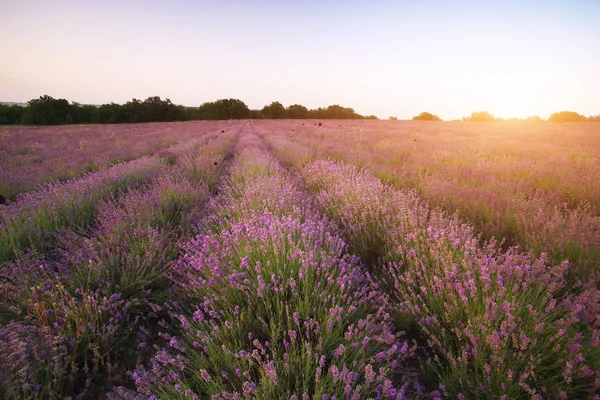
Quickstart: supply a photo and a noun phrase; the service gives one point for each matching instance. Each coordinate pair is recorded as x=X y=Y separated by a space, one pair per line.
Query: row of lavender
x=31 y=222
x=490 y=323
x=75 y=325
x=33 y=156
x=268 y=303
x=530 y=184
x=272 y=305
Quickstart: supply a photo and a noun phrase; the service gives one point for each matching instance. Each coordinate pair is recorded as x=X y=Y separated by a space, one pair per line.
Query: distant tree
x=319 y=113
x=111 y=113
x=234 y=108
x=338 y=112
x=393 y=118
x=188 y=113
x=425 y=116
x=566 y=116
x=371 y=117
x=46 y=111
x=254 y=114
x=594 y=118
x=297 y=111
x=534 y=118
x=210 y=110
x=158 y=110
x=133 y=111
x=84 y=113
x=224 y=109
x=275 y=110
x=11 y=114
x=480 y=116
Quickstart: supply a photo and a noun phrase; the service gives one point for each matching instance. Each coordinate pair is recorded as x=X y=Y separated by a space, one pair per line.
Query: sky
x=386 y=58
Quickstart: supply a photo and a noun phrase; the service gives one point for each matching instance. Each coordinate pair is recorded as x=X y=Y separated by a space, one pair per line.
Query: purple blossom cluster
x=135 y=237
x=32 y=220
x=75 y=325
x=64 y=340
x=492 y=323
x=276 y=306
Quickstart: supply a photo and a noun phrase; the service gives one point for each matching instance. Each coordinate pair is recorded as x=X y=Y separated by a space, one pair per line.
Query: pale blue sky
x=512 y=58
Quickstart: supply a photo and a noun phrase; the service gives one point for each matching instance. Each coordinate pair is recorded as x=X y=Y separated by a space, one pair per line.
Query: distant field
x=535 y=184
x=292 y=259
x=33 y=156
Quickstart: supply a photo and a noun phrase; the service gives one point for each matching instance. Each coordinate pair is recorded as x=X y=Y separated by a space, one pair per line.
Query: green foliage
x=153 y=109
x=335 y=112
x=254 y=114
x=480 y=116
x=110 y=113
x=82 y=113
x=275 y=110
x=46 y=111
x=49 y=111
x=297 y=111
x=338 y=112
x=223 y=109
x=566 y=116
x=534 y=118
x=425 y=116
x=11 y=114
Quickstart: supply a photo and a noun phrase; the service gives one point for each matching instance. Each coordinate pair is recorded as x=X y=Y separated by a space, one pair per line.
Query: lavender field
x=33 y=156
x=300 y=259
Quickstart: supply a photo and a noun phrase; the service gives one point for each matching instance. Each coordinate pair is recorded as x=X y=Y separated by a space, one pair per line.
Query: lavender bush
x=529 y=184
x=31 y=221
x=278 y=309
x=492 y=323
x=75 y=329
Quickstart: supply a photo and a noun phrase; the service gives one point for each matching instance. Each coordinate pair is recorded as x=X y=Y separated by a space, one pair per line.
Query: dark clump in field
x=215 y=163
x=2 y=199
x=223 y=131
x=320 y=124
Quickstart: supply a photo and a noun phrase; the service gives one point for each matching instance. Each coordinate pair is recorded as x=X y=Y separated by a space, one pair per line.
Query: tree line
x=47 y=110
x=484 y=116
x=561 y=116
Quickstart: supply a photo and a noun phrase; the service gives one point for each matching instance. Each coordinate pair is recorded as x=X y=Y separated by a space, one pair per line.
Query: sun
x=509 y=92
x=511 y=107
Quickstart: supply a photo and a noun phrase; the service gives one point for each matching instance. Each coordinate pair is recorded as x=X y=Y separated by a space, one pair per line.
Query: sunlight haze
x=387 y=58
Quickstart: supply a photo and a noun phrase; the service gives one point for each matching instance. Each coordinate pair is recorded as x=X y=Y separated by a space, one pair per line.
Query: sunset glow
x=513 y=59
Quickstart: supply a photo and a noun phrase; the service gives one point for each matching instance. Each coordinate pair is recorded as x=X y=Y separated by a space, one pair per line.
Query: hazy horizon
x=513 y=59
